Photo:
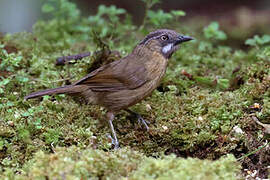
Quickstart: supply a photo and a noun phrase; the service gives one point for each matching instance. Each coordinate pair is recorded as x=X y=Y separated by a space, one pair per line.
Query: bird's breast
x=156 y=68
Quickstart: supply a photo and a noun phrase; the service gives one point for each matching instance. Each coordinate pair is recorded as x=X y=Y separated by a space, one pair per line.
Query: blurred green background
x=20 y=15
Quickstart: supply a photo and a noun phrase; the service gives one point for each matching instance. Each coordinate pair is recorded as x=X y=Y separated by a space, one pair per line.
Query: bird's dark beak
x=182 y=38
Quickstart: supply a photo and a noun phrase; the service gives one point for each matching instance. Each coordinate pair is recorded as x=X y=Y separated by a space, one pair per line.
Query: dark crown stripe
x=151 y=36
x=155 y=34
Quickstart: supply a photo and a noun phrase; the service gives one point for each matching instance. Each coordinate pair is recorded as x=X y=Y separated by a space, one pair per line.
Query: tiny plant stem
x=253 y=152
x=148 y=5
x=145 y=16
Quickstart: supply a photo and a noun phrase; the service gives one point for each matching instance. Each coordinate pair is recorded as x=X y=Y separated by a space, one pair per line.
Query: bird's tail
x=70 y=89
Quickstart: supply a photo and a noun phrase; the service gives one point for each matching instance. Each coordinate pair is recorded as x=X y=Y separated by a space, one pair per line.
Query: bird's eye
x=164 y=38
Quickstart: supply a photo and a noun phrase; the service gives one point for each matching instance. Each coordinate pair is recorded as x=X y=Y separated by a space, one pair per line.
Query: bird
x=127 y=81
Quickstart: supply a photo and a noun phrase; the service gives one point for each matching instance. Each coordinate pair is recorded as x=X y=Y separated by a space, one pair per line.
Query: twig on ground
x=65 y=59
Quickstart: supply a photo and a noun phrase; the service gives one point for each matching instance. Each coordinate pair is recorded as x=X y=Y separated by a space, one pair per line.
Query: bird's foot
x=114 y=142
x=143 y=122
x=140 y=119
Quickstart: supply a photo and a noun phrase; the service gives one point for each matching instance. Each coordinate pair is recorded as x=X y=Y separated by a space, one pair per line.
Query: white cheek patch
x=167 y=48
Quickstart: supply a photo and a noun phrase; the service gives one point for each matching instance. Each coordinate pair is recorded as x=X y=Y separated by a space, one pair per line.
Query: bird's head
x=164 y=41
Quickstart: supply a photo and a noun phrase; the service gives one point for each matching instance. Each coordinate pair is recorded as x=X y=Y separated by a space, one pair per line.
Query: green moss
x=171 y=167
x=74 y=163
x=208 y=91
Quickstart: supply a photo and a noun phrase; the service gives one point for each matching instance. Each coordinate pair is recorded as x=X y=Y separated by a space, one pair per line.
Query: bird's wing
x=126 y=73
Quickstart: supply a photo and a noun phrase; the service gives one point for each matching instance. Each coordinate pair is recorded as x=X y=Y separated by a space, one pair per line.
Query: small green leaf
x=4 y=82
x=47 y=8
x=256 y=40
x=265 y=39
x=212 y=32
x=159 y=17
x=38 y=123
x=26 y=114
x=1 y=145
x=22 y=79
x=250 y=42
x=223 y=83
x=178 y=13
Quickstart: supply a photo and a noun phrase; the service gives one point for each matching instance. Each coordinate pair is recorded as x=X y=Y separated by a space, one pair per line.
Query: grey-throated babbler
x=125 y=82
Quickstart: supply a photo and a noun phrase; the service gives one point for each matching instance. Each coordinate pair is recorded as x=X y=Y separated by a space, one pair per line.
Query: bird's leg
x=115 y=142
x=139 y=118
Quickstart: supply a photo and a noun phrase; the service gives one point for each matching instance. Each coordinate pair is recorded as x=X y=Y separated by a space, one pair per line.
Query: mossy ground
x=202 y=110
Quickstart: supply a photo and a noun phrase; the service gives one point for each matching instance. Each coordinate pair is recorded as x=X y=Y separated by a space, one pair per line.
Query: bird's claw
x=115 y=142
x=142 y=121
x=139 y=119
